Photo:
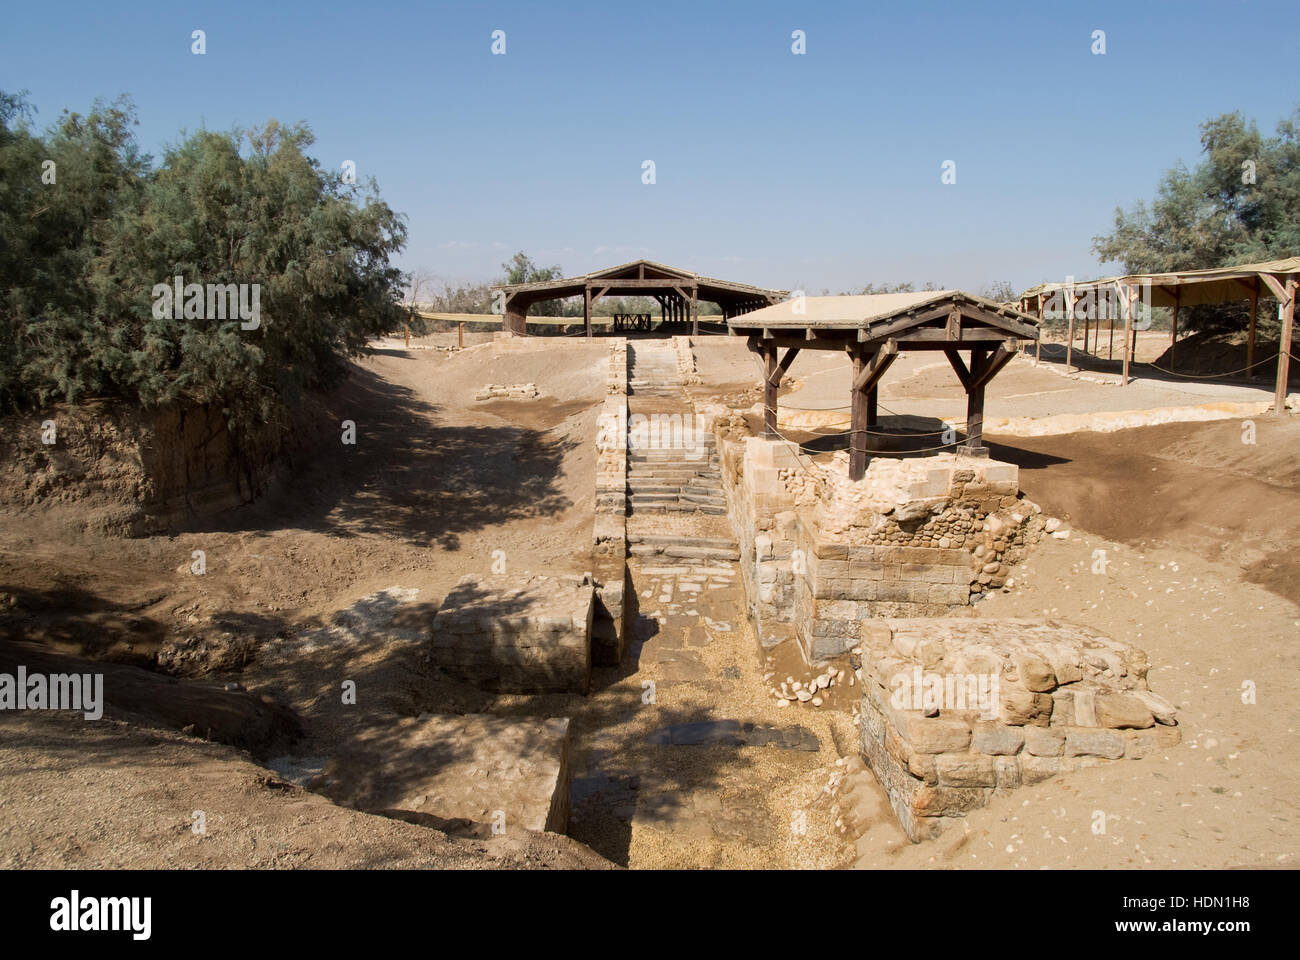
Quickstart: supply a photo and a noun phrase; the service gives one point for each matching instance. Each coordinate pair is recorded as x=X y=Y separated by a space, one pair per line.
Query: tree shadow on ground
x=407 y=476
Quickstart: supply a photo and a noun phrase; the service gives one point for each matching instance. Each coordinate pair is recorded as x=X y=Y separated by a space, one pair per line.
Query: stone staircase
x=672 y=467
x=653 y=370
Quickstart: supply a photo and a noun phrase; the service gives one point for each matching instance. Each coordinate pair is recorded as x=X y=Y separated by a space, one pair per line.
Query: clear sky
x=812 y=171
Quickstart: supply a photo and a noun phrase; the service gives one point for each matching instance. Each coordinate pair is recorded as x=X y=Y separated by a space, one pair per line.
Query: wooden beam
x=874 y=369
x=784 y=365
x=959 y=367
x=992 y=365
x=586 y=309
x=1276 y=285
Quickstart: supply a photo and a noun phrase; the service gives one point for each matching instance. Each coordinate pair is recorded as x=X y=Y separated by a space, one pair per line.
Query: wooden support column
x=1250 y=340
x=516 y=319
x=460 y=334
x=859 y=415
x=1069 y=340
x=868 y=369
x=1173 y=335
x=695 y=313
x=1286 y=304
x=975 y=406
x=1038 y=344
x=771 y=379
x=1128 y=332
x=586 y=309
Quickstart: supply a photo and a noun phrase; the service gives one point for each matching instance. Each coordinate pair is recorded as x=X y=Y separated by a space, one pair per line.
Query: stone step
x=670 y=540
x=703 y=498
x=682 y=477
x=687 y=552
x=635 y=487
x=703 y=489
x=677 y=506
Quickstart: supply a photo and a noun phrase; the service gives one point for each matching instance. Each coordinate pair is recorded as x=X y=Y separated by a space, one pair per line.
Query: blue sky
x=809 y=172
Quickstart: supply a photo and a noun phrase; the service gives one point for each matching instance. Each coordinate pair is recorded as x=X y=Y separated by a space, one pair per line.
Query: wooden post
x=1069 y=340
x=859 y=414
x=1038 y=344
x=516 y=320
x=1287 y=305
x=586 y=309
x=975 y=405
x=1173 y=335
x=769 y=391
x=460 y=334
x=695 y=313
x=1128 y=328
x=1250 y=341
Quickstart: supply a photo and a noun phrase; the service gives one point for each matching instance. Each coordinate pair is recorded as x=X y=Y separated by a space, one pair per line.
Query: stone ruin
x=514 y=391
x=914 y=538
x=518 y=635
x=956 y=711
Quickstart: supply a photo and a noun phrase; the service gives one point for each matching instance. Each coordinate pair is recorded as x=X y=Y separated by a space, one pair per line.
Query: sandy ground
x=1198 y=530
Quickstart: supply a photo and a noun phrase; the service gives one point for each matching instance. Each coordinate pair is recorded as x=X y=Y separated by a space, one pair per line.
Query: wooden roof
x=1184 y=287
x=642 y=276
x=931 y=319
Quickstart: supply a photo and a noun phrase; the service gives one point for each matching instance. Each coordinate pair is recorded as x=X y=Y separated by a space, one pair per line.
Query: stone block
x=933 y=734
x=1085 y=742
x=965 y=770
x=1044 y=741
x=997 y=739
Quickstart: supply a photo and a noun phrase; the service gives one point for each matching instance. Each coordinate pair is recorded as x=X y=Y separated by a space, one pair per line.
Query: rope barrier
x=874 y=433
x=1213 y=376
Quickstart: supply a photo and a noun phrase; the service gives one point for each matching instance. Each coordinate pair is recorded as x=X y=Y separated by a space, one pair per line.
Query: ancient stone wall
x=609 y=532
x=820 y=553
x=955 y=711
x=529 y=636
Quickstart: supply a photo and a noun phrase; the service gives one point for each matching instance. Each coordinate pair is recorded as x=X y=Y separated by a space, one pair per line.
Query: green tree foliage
x=1241 y=203
x=81 y=258
x=521 y=269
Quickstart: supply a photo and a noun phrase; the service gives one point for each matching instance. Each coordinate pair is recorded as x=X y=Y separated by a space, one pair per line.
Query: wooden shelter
x=1247 y=281
x=678 y=293
x=872 y=330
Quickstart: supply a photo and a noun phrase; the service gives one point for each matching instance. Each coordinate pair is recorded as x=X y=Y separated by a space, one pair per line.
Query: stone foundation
x=956 y=711
x=530 y=636
x=503 y=772
x=913 y=538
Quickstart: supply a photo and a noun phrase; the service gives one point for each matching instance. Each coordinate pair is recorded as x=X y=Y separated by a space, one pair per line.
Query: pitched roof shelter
x=677 y=291
x=872 y=329
x=1180 y=288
